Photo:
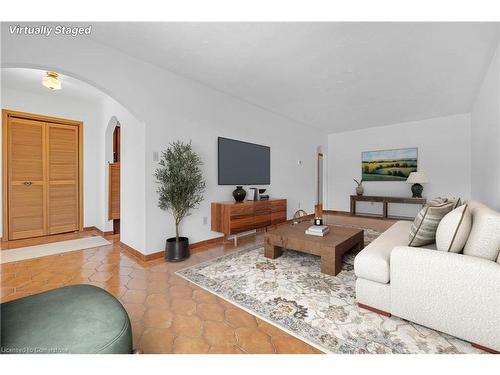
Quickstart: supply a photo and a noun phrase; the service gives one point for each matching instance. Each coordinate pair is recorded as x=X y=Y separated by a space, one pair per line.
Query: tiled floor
x=168 y=314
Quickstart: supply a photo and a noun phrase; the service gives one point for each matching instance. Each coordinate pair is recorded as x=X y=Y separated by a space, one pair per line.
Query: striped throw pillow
x=423 y=230
x=457 y=202
x=436 y=201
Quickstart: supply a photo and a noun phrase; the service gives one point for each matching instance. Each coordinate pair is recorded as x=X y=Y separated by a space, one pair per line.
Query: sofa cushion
x=453 y=230
x=423 y=229
x=372 y=263
x=484 y=237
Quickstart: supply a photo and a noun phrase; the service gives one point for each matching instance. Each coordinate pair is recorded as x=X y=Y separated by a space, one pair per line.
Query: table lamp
x=417 y=178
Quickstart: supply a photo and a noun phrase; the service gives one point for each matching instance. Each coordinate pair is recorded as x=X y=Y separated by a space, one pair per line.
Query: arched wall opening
x=174 y=108
x=100 y=117
x=112 y=181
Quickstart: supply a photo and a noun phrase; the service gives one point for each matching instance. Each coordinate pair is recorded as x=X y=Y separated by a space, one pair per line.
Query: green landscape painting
x=388 y=165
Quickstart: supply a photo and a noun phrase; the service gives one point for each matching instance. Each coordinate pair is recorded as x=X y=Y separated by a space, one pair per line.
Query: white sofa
x=453 y=293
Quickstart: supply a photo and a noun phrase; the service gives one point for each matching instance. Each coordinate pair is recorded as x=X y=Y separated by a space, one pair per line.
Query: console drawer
x=232 y=218
x=262 y=208
x=262 y=220
x=241 y=224
x=241 y=210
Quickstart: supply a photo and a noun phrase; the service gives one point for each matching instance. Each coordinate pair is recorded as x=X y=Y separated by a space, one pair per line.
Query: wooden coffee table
x=330 y=248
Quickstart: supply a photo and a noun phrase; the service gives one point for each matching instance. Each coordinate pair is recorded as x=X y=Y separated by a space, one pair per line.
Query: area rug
x=291 y=293
x=37 y=251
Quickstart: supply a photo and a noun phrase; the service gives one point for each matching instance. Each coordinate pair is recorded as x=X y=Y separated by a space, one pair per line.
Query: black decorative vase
x=239 y=194
x=176 y=251
x=417 y=190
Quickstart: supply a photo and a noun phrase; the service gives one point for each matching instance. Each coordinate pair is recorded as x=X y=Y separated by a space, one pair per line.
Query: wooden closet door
x=62 y=178
x=25 y=178
x=114 y=191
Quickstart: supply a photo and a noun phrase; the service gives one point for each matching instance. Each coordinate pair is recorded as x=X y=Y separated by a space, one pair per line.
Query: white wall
x=172 y=107
x=72 y=109
x=132 y=165
x=485 y=137
x=96 y=116
x=443 y=154
x=288 y=145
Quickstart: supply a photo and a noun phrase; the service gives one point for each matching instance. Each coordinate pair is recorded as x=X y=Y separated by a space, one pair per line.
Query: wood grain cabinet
x=232 y=218
x=42 y=175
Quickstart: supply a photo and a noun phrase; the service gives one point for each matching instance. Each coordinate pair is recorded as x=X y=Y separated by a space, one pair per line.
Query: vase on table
x=239 y=194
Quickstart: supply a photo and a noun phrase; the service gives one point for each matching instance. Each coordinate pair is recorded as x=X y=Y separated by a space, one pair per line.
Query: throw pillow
x=436 y=201
x=453 y=230
x=423 y=229
x=456 y=201
x=484 y=237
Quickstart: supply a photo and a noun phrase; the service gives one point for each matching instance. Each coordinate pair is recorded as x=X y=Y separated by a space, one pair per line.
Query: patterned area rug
x=291 y=293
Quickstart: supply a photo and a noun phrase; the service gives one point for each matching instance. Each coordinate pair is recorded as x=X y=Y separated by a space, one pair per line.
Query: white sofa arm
x=453 y=293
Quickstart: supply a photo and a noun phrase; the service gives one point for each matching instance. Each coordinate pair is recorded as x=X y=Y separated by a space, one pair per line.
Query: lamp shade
x=417 y=178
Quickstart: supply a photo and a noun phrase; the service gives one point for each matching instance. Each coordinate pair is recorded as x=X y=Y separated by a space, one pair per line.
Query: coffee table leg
x=331 y=260
x=272 y=251
x=329 y=263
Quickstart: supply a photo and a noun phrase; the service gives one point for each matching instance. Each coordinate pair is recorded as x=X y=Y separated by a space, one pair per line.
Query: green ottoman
x=73 y=319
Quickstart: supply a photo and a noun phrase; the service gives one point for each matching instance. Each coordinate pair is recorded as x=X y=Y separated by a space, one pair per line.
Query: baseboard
x=135 y=253
x=367 y=215
x=375 y=310
x=484 y=348
x=336 y=212
x=94 y=228
x=209 y=242
x=159 y=254
x=194 y=246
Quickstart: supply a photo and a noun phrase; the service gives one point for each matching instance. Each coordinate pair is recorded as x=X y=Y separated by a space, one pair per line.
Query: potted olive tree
x=181 y=187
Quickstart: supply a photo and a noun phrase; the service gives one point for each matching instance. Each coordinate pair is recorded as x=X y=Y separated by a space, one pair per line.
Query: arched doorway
x=114 y=180
x=100 y=118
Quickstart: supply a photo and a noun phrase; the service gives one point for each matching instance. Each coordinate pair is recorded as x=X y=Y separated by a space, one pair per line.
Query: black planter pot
x=176 y=251
x=239 y=194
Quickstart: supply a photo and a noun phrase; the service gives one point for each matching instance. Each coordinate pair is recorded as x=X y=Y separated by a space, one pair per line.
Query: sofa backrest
x=484 y=237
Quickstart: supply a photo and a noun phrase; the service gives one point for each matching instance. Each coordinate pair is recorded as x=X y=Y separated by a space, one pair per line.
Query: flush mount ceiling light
x=51 y=81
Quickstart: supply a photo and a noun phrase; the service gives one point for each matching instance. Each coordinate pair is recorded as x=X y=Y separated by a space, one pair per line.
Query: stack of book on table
x=318 y=230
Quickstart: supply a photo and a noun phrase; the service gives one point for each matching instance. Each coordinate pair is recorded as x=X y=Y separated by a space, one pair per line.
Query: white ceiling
x=335 y=76
x=29 y=80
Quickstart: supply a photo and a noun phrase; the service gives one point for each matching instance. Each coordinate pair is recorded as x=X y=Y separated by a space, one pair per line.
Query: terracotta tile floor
x=168 y=314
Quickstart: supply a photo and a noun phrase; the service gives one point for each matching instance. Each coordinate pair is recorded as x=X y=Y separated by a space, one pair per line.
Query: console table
x=235 y=217
x=384 y=200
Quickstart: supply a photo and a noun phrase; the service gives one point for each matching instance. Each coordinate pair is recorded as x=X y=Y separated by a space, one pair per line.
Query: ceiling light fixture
x=51 y=81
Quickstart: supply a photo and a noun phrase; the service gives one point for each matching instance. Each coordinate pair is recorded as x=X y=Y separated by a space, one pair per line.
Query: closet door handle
x=28 y=183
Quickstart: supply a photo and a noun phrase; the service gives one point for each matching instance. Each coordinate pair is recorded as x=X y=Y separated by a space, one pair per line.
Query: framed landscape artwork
x=388 y=165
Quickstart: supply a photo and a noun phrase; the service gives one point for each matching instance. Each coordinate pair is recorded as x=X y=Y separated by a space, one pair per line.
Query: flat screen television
x=243 y=163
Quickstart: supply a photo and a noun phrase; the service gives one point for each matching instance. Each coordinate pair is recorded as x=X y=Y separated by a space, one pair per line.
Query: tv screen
x=243 y=163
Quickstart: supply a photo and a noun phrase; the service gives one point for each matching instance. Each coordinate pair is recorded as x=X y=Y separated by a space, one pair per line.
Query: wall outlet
x=298 y=205
x=205 y=220
x=156 y=156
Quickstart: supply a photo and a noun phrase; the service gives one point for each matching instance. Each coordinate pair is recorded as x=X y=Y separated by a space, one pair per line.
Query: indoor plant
x=181 y=190
x=359 y=189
